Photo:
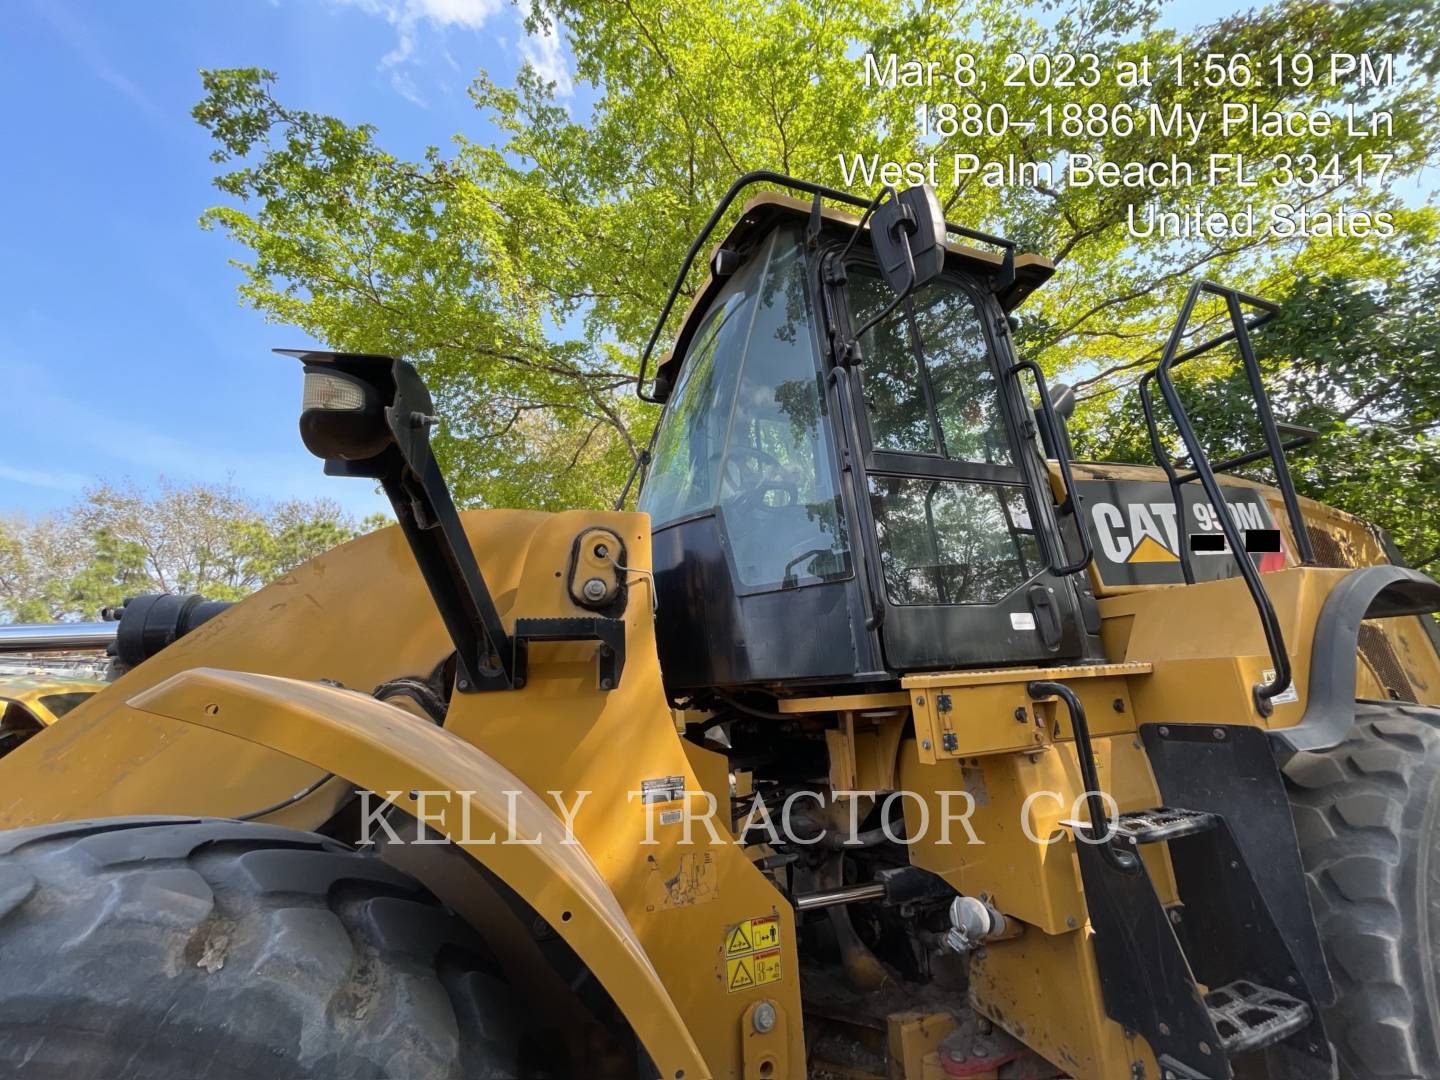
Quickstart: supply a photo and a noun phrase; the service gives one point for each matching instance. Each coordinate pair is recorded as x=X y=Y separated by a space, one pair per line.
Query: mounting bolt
x=1070 y=922
x=1218 y=732
x=1021 y=717
x=594 y=589
x=601 y=551
x=919 y=699
x=1164 y=731
x=925 y=744
x=1205 y=1048
x=1175 y=916
x=763 y=1018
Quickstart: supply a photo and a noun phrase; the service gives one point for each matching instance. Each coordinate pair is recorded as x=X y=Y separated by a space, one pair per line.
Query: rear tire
x=1367 y=816
x=184 y=949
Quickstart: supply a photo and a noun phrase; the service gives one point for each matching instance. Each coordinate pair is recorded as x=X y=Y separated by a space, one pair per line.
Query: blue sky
x=124 y=352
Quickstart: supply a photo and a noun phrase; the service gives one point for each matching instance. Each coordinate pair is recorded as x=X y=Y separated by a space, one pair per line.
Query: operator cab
x=830 y=509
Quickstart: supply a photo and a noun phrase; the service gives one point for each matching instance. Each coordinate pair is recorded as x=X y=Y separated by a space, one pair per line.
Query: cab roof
x=770 y=209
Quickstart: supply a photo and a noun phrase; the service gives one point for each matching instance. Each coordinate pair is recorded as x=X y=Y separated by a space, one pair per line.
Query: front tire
x=185 y=949
x=1367 y=816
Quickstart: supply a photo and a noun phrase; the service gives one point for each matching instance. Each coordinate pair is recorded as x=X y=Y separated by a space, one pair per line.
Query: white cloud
x=407 y=15
x=404 y=85
x=545 y=53
x=79 y=37
x=120 y=446
x=45 y=478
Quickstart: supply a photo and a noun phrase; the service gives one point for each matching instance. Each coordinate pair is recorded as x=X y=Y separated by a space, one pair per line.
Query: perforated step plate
x=1155 y=825
x=1249 y=1016
x=1163 y=823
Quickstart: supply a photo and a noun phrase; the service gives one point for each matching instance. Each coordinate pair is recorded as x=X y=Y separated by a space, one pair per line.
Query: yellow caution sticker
x=740 y=973
x=752 y=953
x=753 y=935
x=765 y=933
x=737 y=940
x=757 y=969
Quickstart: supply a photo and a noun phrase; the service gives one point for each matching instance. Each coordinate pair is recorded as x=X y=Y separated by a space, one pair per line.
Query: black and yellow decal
x=752 y=953
x=1137 y=532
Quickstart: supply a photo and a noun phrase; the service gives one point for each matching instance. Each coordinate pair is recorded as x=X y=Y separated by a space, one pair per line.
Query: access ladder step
x=1249 y=1017
x=1162 y=823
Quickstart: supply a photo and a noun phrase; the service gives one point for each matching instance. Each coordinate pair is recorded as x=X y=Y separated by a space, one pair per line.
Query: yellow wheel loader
x=882 y=740
x=30 y=703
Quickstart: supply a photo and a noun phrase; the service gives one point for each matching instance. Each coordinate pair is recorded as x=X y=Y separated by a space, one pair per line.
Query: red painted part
x=1272 y=560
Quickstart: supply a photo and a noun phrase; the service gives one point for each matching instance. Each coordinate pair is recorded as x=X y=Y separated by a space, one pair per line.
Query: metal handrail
x=1264 y=692
x=818 y=191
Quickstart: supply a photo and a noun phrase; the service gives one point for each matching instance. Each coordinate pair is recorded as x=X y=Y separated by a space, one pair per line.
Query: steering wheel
x=744 y=471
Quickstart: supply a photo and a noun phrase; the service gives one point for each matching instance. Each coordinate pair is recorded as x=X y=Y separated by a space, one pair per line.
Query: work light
x=341 y=415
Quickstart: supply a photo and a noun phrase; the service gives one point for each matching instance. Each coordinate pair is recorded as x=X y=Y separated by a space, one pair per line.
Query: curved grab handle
x=1125 y=861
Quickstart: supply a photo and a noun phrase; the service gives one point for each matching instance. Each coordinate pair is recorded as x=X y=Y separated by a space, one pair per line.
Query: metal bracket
x=609 y=657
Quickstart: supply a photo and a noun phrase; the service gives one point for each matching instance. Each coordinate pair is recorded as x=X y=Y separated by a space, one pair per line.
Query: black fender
x=1371 y=592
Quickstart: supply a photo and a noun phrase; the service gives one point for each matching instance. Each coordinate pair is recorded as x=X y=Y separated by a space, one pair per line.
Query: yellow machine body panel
x=45 y=699
x=1397 y=659
x=360 y=615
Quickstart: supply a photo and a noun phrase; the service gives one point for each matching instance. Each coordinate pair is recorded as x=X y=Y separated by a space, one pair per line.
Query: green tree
x=524 y=276
x=117 y=541
x=1357 y=361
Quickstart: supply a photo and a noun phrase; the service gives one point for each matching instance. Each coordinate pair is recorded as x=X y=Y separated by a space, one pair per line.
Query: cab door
x=951 y=490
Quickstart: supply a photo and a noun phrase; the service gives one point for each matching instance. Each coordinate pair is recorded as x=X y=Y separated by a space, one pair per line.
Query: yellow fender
x=361 y=615
x=380 y=747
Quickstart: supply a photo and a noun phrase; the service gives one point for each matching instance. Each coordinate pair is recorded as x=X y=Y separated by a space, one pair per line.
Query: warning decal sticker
x=757 y=969
x=752 y=953
x=737 y=942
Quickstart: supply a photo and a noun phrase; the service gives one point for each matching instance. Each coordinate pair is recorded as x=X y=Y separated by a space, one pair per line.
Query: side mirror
x=908 y=236
x=907 y=233
x=1062 y=399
